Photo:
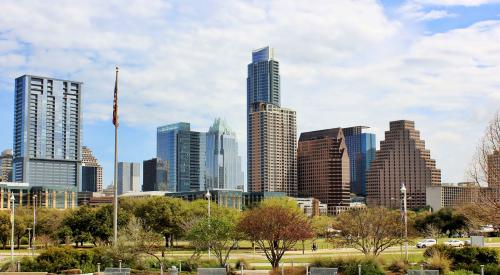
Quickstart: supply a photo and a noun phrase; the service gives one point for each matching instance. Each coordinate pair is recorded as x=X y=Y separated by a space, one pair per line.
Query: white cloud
x=467 y=3
x=415 y=11
x=342 y=62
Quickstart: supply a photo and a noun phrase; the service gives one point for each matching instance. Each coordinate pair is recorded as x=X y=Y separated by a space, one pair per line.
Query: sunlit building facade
x=47 y=131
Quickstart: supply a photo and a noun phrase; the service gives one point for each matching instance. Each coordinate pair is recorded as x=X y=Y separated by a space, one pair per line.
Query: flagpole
x=115 y=185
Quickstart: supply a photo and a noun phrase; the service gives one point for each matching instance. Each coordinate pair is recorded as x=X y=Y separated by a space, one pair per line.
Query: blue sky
x=343 y=63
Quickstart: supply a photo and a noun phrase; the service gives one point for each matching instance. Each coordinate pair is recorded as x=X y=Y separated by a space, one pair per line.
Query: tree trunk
x=303 y=248
x=166 y=240
x=18 y=241
x=172 y=241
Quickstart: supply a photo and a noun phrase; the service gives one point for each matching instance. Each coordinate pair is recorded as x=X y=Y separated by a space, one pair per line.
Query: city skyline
x=417 y=79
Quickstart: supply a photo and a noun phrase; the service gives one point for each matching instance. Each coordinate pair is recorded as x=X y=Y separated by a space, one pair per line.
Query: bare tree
x=485 y=171
x=369 y=230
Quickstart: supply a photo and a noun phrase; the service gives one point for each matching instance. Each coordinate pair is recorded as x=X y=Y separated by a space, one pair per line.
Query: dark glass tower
x=361 y=148
x=263 y=81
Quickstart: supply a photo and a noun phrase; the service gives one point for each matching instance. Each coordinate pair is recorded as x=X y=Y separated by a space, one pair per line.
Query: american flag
x=115 y=101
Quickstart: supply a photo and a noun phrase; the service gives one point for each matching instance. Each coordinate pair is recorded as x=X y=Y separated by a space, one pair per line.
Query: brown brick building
x=323 y=168
x=272 y=155
x=402 y=158
x=494 y=169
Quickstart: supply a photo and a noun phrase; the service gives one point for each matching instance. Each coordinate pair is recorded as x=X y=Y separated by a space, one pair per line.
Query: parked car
x=426 y=243
x=454 y=243
x=467 y=242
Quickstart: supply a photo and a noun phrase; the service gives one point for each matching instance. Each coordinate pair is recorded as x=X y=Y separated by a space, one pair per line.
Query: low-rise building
x=46 y=196
x=312 y=207
x=448 y=195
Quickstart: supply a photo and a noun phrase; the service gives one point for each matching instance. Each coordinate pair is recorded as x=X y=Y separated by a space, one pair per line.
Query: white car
x=426 y=243
x=454 y=243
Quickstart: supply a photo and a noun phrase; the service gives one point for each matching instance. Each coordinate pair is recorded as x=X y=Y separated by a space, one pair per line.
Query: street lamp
x=403 y=191
x=34 y=224
x=208 y=196
x=13 y=199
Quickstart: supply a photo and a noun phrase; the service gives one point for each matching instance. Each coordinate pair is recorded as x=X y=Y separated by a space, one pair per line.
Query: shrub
x=289 y=271
x=492 y=269
x=240 y=262
x=467 y=258
x=439 y=248
x=398 y=266
x=349 y=266
x=439 y=261
x=460 y=272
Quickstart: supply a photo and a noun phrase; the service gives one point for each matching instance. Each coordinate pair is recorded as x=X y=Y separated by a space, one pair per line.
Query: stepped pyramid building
x=91 y=172
x=402 y=158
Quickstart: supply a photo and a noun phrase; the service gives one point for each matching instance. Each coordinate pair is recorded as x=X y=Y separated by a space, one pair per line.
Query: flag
x=115 y=101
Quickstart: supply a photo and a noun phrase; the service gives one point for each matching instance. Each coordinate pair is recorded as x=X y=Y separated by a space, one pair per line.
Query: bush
x=192 y=265
x=349 y=266
x=289 y=271
x=492 y=269
x=245 y=263
x=439 y=261
x=460 y=272
x=398 y=266
x=439 y=248
x=467 y=258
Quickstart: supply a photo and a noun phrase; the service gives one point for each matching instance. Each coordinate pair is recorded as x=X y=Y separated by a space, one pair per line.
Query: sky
x=343 y=63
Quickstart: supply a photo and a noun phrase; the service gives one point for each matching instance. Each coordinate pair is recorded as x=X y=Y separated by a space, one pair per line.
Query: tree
x=321 y=225
x=5 y=228
x=486 y=208
x=21 y=223
x=369 y=230
x=275 y=226
x=217 y=233
x=447 y=220
x=78 y=223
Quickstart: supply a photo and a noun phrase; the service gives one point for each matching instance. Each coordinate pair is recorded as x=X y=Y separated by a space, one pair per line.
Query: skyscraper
x=361 y=148
x=402 y=158
x=223 y=164
x=129 y=177
x=6 y=165
x=47 y=131
x=494 y=169
x=271 y=130
x=323 y=168
x=184 y=150
x=272 y=160
x=91 y=172
x=155 y=175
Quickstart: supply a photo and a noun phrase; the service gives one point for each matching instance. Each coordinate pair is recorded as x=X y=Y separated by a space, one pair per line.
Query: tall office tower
x=402 y=158
x=323 y=168
x=91 y=172
x=223 y=165
x=47 y=130
x=184 y=150
x=361 y=148
x=494 y=169
x=271 y=130
x=129 y=177
x=154 y=175
x=6 y=165
x=272 y=162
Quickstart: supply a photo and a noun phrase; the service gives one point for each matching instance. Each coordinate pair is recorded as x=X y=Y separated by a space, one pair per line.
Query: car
x=426 y=243
x=454 y=243
x=467 y=243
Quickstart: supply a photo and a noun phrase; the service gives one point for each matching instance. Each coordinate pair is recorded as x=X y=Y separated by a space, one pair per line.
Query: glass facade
x=361 y=148
x=155 y=175
x=48 y=196
x=47 y=131
x=263 y=81
x=223 y=164
x=184 y=150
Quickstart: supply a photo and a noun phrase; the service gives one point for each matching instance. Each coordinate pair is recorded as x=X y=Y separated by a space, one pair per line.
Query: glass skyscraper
x=184 y=150
x=271 y=130
x=361 y=148
x=47 y=131
x=129 y=177
x=223 y=164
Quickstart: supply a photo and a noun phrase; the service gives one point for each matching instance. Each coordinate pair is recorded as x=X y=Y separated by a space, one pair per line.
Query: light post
x=208 y=196
x=403 y=191
x=34 y=225
x=29 y=239
x=12 y=218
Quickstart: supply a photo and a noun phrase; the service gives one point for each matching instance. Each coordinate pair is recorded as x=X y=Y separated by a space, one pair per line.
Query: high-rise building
x=47 y=131
x=272 y=159
x=91 y=172
x=184 y=150
x=271 y=130
x=323 y=168
x=6 y=165
x=361 y=148
x=155 y=175
x=223 y=164
x=402 y=158
x=494 y=169
x=129 y=177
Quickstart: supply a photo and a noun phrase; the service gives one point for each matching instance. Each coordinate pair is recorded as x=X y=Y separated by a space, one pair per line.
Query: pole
x=359 y=269
x=34 y=225
x=403 y=190
x=115 y=185
x=29 y=239
x=208 y=197
x=12 y=220
x=482 y=269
